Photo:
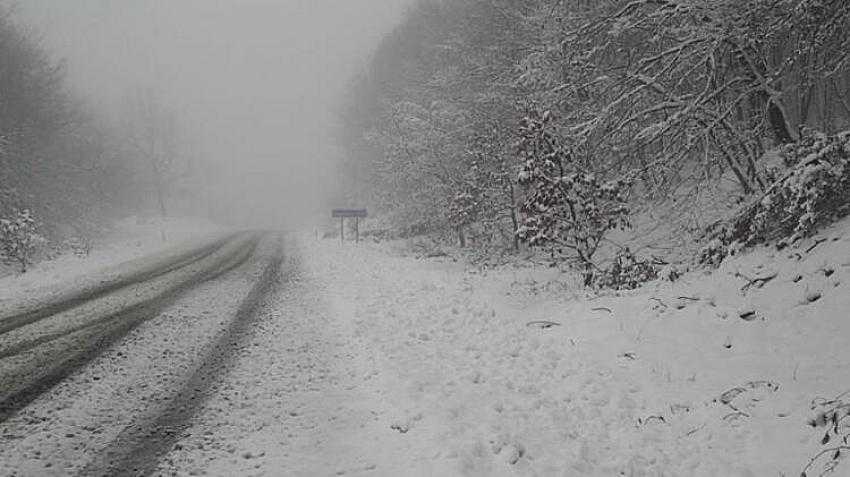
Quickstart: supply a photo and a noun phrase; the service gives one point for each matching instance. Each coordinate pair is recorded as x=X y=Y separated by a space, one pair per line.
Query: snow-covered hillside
x=499 y=373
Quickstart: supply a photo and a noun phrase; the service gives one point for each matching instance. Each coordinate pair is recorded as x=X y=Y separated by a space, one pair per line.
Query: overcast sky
x=257 y=80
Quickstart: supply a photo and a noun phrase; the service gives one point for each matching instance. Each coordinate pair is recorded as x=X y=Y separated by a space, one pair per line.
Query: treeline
x=546 y=120
x=47 y=144
x=71 y=167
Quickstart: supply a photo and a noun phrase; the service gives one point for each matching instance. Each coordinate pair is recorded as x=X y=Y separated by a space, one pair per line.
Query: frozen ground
x=371 y=363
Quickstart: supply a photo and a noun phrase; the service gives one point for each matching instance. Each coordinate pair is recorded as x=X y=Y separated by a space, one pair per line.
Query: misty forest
x=425 y=237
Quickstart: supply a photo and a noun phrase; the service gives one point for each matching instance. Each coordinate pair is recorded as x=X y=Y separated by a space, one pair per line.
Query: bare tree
x=150 y=128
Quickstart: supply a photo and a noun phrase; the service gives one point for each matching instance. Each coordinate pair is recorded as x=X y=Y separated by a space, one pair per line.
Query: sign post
x=357 y=214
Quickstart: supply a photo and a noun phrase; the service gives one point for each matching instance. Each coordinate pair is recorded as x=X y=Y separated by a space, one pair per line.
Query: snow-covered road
x=358 y=360
x=85 y=390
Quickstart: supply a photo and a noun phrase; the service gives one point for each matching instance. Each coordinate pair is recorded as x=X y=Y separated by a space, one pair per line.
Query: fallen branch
x=759 y=282
x=646 y=420
x=734 y=414
x=832 y=416
x=821 y=401
x=817 y=242
x=601 y=308
x=730 y=395
x=542 y=324
x=694 y=430
x=835 y=451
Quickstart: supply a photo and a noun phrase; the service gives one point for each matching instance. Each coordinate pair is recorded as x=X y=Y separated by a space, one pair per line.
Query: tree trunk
x=160 y=195
x=742 y=180
x=587 y=274
x=514 y=219
x=779 y=122
x=461 y=237
x=827 y=110
x=160 y=198
x=515 y=229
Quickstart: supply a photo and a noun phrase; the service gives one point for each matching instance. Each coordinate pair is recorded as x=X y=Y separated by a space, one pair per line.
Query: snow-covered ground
x=373 y=363
x=129 y=239
x=367 y=361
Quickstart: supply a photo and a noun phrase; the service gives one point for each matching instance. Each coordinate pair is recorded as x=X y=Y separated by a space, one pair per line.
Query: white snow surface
x=369 y=362
x=372 y=363
x=130 y=238
x=73 y=423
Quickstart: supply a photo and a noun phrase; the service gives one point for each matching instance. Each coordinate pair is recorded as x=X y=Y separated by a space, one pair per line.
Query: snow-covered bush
x=627 y=272
x=462 y=211
x=567 y=208
x=81 y=246
x=814 y=191
x=19 y=237
x=670 y=273
x=714 y=251
x=462 y=208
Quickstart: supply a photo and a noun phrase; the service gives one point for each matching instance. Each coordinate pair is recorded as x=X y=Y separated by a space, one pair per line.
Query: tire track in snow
x=28 y=344
x=31 y=368
x=25 y=314
x=138 y=448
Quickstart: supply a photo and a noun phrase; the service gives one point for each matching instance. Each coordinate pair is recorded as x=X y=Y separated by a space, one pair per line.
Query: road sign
x=343 y=213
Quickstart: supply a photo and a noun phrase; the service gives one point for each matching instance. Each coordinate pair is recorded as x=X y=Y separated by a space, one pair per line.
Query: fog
x=254 y=83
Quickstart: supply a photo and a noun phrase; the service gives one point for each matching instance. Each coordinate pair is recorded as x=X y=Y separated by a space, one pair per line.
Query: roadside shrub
x=813 y=192
x=627 y=272
x=567 y=209
x=669 y=273
x=463 y=208
x=81 y=246
x=713 y=252
x=19 y=238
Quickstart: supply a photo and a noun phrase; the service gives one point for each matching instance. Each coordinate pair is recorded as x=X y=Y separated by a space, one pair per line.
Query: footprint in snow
x=510 y=451
x=813 y=296
x=404 y=425
x=743 y=400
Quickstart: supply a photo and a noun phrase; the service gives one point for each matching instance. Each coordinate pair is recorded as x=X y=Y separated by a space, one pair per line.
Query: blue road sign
x=342 y=213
